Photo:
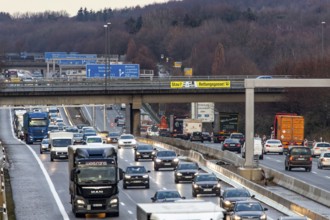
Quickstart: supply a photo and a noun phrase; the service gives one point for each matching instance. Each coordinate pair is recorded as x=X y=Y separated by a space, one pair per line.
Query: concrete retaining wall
x=196 y=151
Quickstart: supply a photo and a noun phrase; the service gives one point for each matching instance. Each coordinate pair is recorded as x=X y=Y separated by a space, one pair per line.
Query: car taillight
x=238 y=145
x=267 y=145
x=225 y=145
x=317 y=148
x=310 y=159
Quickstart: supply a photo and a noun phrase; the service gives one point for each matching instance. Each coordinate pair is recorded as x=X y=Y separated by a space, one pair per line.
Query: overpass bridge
x=134 y=92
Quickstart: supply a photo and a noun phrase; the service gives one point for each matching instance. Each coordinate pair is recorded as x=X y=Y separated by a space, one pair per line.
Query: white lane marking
x=123 y=204
x=328 y=177
x=314 y=172
x=130 y=212
x=49 y=181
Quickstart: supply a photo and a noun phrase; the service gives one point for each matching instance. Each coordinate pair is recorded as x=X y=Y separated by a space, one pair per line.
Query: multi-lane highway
x=41 y=191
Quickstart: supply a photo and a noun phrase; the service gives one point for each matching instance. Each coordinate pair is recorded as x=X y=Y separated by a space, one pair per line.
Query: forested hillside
x=214 y=37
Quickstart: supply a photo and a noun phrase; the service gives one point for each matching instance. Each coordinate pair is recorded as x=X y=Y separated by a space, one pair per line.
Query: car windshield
x=127 y=137
x=327 y=155
x=236 y=193
x=52 y=128
x=231 y=141
x=323 y=145
x=206 y=178
x=95 y=174
x=94 y=140
x=113 y=135
x=144 y=147
x=135 y=170
x=236 y=136
x=187 y=166
x=252 y=206
x=274 y=142
x=61 y=142
x=45 y=141
x=168 y=195
x=166 y=154
x=300 y=151
x=77 y=135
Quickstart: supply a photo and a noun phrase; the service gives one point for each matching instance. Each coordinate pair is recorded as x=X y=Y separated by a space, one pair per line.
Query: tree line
x=213 y=37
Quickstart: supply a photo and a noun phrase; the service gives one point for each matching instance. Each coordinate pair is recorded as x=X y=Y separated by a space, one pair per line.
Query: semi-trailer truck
x=35 y=126
x=94 y=177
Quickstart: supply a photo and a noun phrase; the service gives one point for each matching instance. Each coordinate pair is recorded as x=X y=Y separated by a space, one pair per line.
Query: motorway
x=40 y=187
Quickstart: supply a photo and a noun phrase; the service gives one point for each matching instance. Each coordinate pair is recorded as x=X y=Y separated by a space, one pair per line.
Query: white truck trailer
x=59 y=142
x=185 y=210
x=190 y=126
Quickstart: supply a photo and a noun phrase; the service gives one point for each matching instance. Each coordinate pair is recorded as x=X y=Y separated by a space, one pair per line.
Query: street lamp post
x=323 y=23
x=107 y=53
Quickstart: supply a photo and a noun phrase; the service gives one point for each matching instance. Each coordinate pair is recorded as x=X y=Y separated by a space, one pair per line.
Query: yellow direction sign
x=212 y=84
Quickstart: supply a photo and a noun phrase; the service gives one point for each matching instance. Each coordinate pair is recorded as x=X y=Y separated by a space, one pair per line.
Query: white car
x=94 y=140
x=273 y=146
x=258 y=152
x=320 y=147
x=44 y=145
x=126 y=140
x=324 y=160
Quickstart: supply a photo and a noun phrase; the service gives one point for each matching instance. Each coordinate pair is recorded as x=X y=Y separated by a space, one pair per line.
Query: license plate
x=97 y=205
x=137 y=181
x=145 y=155
x=232 y=145
x=301 y=158
x=188 y=176
x=62 y=155
x=167 y=164
x=207 y=190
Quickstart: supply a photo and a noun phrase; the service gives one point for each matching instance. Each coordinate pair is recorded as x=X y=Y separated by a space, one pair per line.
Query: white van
x=258 y=151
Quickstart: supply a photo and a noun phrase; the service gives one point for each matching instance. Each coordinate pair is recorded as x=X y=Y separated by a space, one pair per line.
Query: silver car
x=324 y=160
x=44 y=145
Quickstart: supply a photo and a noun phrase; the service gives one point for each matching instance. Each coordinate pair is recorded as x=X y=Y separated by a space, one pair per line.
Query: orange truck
x=289 y=128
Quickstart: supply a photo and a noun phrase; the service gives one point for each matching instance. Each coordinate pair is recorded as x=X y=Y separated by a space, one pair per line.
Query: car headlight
x=153 y=152
x=179 y=174
x=263 y=217
x=127 y=176
x=236 y=217
x=176 y=160
x=80 y=202
x=138 y=153
x=114 y=201
x=134 y=142
x=227 y=203
x=219 y=185
x=158 y=160
x=196 y=186
x=145 y=176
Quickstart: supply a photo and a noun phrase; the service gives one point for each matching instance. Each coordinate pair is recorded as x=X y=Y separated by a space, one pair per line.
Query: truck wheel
x=51 y=158
x=148 y=186
x=135 y=159
x=176 y=181
x=156 y=168
x=194 y=194
x=289 y=168
x=112 y=214
x=124 y=186
x=41 y=151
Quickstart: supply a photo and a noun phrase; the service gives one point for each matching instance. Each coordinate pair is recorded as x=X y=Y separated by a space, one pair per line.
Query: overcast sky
x=70 y=6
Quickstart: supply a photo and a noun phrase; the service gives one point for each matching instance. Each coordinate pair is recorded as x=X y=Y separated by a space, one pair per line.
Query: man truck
x=94 y=177
x=196 y=209
x=58 y=144
x=35 y=126
x=289 y=128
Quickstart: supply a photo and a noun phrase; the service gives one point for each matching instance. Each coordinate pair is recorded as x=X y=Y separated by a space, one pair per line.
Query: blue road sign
x=81 y=59
x=116 y=70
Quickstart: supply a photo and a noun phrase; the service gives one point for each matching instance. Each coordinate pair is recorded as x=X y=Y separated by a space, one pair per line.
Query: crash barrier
x=3 y=208
x=196 y=152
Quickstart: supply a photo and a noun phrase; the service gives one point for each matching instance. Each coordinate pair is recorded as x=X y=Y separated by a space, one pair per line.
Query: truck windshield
x=38 y=122
x=61 y=142
x=96 y=174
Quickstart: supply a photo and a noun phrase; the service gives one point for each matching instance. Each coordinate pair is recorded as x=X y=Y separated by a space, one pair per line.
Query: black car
x=113 y=137
x=144 y=151
x=166 y=196
x=298 y=157
x=206 y=183
x=231 y=195
x=185 y=171
x=165 y=159
x=248 y=209
x=136 y=176
x=232 y=145
x=206 y=136
x=197 y=136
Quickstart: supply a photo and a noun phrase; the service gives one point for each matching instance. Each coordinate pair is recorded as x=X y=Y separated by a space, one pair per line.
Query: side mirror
x=121 y=173
x=153 y=199
x=265 y=209
x=253 y=196
x=183 y=197
x=148 y=171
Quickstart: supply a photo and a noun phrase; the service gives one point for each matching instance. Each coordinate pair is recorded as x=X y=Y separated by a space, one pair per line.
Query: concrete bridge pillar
x=136 y=115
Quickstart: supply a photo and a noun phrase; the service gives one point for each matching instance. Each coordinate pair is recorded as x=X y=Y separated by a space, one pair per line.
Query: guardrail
x=3 y=208
x=196 y=151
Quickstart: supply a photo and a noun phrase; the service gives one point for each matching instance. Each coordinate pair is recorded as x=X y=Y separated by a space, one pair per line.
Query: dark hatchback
x=231 y=195
x=220 y=137
x=167 y=196
x=232 y=145
x=298 y=157
x=144 y=151
x=136 y=176
x=248 y=209
x=185 y=171
x=197 y=136
x=206 y=136
x=206 y=183
x=165 y=159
